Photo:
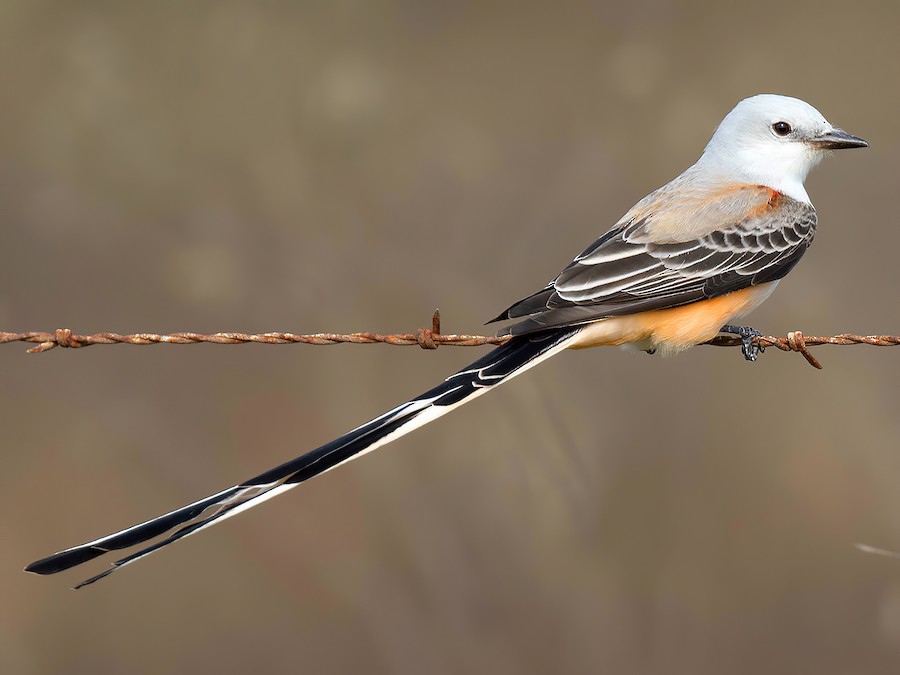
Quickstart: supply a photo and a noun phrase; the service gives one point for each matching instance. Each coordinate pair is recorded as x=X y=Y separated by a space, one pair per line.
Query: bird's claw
x=749 y=349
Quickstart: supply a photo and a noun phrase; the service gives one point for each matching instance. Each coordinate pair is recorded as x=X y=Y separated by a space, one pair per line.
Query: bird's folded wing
x=654 y=260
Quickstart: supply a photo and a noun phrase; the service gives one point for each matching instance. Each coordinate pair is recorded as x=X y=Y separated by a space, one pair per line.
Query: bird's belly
x=669 y=331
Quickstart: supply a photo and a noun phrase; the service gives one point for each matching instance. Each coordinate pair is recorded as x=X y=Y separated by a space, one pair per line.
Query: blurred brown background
x=343 y=166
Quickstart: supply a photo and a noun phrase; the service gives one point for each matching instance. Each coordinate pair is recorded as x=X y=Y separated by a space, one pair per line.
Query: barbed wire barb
x=426 y=338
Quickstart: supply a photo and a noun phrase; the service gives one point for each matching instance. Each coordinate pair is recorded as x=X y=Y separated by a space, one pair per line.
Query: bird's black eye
x=781 y=128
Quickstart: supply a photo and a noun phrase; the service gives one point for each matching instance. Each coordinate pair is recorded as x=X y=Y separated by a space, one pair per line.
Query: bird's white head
x=773 y=141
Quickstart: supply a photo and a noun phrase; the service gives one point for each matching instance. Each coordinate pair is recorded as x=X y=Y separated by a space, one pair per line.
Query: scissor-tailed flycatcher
x=682 y=264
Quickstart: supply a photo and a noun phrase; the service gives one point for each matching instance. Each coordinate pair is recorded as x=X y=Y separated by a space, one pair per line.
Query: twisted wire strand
x=426 y=338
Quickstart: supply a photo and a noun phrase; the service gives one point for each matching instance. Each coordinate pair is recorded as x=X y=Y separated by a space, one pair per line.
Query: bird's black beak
x=837 y=139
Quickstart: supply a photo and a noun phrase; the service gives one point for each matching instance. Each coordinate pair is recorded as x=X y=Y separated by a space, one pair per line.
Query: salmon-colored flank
x=676 y=329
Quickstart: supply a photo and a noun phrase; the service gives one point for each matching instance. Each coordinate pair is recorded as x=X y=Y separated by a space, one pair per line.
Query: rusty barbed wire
x=426 y=338
x=796 y=341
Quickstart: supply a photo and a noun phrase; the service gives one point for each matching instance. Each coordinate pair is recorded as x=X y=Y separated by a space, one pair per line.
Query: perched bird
x=683 y=264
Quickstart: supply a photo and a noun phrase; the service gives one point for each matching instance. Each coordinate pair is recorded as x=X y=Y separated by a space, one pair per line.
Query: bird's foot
x=750 y=351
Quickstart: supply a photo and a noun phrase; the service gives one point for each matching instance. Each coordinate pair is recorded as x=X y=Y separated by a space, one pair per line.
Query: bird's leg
x=748 y=349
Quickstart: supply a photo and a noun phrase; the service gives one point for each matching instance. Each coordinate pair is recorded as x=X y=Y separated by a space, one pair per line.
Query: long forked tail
x=502 y=363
